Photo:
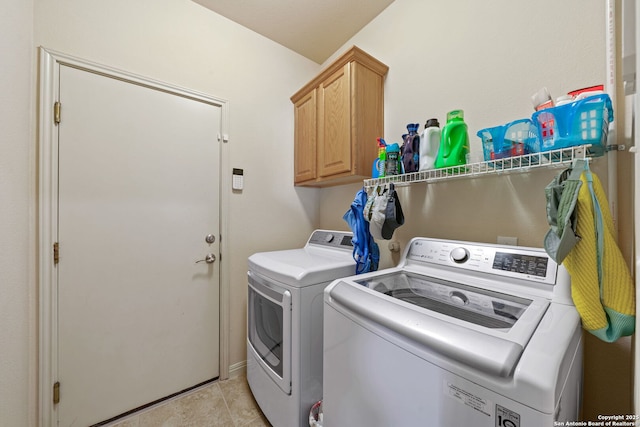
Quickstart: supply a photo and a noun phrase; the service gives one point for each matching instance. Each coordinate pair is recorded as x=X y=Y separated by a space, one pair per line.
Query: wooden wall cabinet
x=338 y=116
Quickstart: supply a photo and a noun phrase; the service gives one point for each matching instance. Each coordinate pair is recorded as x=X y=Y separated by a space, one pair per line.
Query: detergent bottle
x=429 y=144
x=410 y=148
x=379 y=164
x=454 y=143
x=393 y=163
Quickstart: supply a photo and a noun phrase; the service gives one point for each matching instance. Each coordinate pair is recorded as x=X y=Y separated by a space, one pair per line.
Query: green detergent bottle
x=454 y=143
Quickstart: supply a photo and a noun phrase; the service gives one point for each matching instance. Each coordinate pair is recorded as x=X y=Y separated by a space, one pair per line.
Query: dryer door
x=269 y=329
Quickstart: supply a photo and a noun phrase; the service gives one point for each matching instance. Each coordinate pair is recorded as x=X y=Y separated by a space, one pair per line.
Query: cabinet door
x=305 y=113
x=334 y=128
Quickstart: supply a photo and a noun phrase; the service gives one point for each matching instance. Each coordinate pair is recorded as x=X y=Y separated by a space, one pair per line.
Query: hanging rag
x=375 y=210
x=582 y=239
x=365 y=250
x=562 y=196
x=393 y=217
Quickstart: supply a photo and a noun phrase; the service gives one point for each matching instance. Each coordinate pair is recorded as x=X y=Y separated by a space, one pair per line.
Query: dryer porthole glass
x=265 y=330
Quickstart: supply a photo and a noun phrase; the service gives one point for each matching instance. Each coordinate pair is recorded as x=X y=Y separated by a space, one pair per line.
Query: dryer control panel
x=333 y=239
x=511 y=261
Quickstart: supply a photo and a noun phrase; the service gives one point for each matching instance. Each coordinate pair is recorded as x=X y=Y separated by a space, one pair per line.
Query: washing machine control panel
x=510 y=261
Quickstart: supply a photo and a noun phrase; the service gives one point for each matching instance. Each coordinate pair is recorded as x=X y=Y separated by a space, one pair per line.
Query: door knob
x=209 y=259
x=210 y=238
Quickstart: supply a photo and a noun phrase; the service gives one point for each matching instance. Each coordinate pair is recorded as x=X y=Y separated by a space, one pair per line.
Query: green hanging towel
x=582 y=239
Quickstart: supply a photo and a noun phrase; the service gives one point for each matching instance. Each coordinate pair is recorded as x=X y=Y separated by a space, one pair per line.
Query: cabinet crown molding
x=353 y=54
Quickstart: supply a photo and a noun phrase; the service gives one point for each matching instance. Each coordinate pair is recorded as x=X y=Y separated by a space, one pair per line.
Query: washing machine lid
x=484 y=329
x=303 y=267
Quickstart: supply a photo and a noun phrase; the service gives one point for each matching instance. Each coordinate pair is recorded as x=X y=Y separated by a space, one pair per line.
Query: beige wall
x=185 y=44
x=488 y=58
x=17 y=298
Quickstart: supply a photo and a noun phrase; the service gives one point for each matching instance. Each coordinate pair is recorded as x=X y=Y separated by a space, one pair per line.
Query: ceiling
x=313 y=28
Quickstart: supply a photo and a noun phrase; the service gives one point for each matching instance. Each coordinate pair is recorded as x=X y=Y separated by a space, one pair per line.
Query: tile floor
x=227 y=403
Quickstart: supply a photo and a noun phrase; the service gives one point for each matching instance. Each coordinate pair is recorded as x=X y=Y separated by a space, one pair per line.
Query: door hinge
x=56 y=393
x=56 y=253
x=56 y=112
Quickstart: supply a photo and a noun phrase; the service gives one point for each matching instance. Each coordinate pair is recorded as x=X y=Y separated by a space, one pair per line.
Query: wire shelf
x=516 y=164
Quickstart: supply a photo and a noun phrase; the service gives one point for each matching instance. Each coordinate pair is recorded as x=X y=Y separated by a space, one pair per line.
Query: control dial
x=459 y=255
x=328 y=238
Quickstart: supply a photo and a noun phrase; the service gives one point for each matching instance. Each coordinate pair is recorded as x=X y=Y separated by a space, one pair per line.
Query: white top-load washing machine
x=284 y=325
x=458 y=334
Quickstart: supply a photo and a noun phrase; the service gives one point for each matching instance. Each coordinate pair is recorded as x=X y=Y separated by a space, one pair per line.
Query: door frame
x=49 y=91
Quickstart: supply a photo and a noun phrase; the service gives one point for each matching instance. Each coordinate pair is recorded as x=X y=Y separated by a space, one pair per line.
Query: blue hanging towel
x=365 y=250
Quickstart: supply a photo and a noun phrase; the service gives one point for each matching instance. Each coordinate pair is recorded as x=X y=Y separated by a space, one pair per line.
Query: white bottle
x=429 y=144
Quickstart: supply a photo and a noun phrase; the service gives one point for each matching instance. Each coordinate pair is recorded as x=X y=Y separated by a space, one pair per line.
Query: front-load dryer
x=284 y=323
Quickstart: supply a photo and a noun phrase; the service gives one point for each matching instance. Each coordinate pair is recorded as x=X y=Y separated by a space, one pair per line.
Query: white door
x=138 y=318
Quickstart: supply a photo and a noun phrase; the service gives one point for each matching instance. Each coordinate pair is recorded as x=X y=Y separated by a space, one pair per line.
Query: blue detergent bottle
x=379 y=164
x=454 y=142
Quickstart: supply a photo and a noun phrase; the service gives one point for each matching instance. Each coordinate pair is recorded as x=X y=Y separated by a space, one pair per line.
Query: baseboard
x=238 y=369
